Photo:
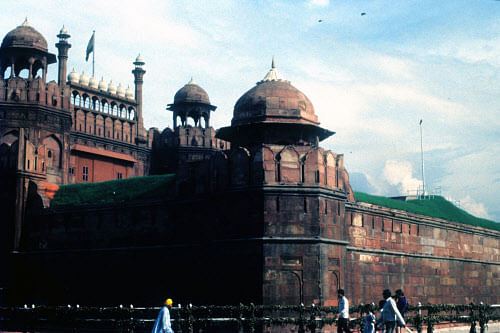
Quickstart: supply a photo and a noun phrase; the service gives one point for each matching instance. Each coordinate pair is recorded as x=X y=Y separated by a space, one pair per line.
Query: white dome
x=84 y=80
x=103 y=85
x=93 y=83
x=129 y=93
x=73 y=77
x=120 y=91
x=111 y=87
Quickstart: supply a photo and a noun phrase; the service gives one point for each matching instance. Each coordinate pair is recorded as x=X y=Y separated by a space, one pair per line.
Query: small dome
x=191 y=93
x=111 y=87
x=129 y=93
x=63 y=31
x=139 y=62
x=93 y=83
x=73 y=77
x=120 y=91
x=25 y=36
x=103 y=85
x=84 y=80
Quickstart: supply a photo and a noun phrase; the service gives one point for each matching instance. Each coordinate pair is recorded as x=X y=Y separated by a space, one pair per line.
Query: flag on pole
x=93 y=46
x=90 y=46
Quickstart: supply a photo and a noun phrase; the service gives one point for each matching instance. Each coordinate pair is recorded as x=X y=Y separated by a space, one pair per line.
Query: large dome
x=191 y=93
x=25 y=36
x=273 y=100
x=273 y=112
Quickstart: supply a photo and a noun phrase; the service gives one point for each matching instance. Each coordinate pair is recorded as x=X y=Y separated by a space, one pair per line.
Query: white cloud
x=320 y=3
x=400 y=173
x=475 y=208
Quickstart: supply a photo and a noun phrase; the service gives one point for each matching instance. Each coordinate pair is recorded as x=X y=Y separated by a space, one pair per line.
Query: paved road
x=492 y=328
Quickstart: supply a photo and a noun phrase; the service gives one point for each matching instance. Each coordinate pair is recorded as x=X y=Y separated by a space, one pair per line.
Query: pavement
x=492 y=328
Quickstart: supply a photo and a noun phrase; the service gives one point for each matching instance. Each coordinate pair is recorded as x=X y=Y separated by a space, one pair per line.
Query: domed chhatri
x=191 y=101
x=274 y=111
x=25 y=36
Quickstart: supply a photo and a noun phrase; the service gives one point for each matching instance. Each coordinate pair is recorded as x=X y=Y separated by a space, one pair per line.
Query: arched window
x=96 y=104
x=78 y=100
x=86 y=101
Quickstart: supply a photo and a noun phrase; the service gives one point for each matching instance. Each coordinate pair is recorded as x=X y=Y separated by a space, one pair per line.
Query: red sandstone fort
x=257 y=211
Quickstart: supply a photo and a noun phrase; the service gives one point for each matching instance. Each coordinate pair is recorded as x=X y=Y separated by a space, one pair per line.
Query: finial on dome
x=273 y=74
x=191 y=81
x=26 y=23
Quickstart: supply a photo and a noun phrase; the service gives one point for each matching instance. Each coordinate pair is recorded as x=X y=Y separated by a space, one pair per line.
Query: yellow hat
x=169 y=302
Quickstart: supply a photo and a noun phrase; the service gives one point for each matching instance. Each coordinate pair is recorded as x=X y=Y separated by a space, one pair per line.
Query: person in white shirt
x=390 y=313
x=343 y=313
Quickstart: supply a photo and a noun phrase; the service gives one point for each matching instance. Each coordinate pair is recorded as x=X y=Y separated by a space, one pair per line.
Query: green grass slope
x=135 y=188
x=436 y=207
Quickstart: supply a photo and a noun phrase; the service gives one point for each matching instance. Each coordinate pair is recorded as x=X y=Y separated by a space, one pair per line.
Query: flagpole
x=93 y=54
x=422 y=158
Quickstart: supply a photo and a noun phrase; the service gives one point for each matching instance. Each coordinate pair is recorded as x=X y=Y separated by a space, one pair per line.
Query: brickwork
x=433 y=260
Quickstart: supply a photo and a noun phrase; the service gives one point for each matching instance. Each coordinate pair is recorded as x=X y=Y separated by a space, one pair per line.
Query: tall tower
x=139 y=72
x=63 y=46
x=295 y=190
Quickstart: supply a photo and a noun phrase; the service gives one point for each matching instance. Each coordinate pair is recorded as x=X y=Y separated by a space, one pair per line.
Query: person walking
x=343 y=313
x=369 y=319
x=402 y=305
x=162 y=324
x=390 y=313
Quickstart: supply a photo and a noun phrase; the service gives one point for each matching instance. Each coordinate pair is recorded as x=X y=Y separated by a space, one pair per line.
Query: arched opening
x=114 y=109
x=96 y=104
x=7 y=72
x=76 y=99
x=123 y=111
x=105 y=106
x=53 y=148
x=24 y=73
x=131 y=114
x=86 y=101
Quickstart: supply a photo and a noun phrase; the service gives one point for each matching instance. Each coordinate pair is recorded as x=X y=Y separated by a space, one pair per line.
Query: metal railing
x=241 y=318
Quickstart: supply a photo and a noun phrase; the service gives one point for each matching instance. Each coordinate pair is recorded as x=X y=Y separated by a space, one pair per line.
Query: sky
x=372 y=69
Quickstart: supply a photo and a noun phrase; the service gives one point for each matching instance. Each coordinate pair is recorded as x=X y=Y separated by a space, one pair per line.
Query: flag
x=93 y=48
x=90 y=46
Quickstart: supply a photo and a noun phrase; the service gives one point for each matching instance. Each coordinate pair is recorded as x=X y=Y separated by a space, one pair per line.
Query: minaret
x=63 y=47
x=138 y=74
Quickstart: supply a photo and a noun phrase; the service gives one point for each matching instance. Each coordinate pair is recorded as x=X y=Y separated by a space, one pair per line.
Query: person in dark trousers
x=390 y=313
x=402 y=305
x=343 y=314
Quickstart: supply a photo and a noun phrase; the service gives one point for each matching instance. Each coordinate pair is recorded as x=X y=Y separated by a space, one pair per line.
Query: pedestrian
x=402 y=305
x=369 y=319
x=162 y=324
x=343 y=313
x=390 y=313
x=379 y=325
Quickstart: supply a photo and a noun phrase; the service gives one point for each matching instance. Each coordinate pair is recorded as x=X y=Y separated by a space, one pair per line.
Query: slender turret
x=63 y=47
x=138 y=75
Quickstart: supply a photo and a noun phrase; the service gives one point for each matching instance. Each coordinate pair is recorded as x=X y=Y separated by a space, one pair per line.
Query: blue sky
x=370 y=77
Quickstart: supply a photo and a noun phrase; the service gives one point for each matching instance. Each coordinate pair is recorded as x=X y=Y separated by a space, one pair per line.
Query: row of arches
x=272 y=165
x=104 y=126
x=95 y=104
